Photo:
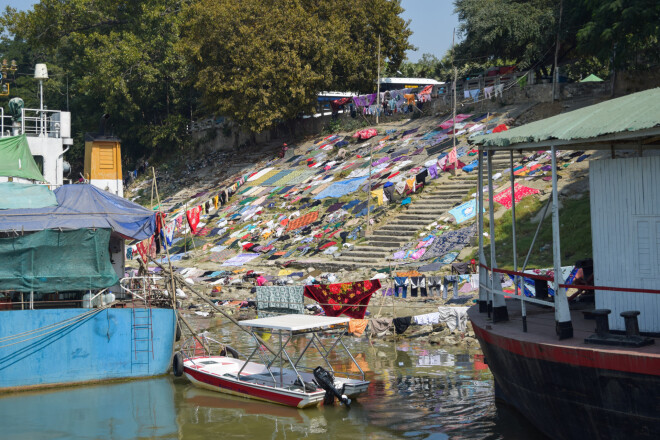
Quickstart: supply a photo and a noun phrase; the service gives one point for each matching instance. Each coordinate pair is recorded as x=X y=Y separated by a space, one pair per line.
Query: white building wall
x=625 y=228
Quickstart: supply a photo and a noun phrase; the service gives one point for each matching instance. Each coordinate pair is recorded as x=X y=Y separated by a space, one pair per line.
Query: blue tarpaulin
x=84 y=206
x=339 y=189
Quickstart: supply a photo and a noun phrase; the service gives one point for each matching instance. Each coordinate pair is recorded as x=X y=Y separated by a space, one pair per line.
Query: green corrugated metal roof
x=591 y=78
x=629 y=113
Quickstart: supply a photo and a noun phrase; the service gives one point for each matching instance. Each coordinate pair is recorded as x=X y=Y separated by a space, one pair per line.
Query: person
x=284 y=149
x=261 y=280
x=584 y=277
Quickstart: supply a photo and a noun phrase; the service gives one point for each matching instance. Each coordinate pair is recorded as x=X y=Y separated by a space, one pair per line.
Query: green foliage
x=155 y=64
x=575 y=222
x=263 y=62
x=592 y=33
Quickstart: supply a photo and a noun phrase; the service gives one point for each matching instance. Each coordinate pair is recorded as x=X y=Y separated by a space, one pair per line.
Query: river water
x=417 y=391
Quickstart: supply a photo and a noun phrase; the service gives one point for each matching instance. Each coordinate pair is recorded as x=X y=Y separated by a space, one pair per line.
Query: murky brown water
x=417 y=392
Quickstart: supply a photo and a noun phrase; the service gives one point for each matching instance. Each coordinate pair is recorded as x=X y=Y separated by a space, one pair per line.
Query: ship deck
x=541 y=330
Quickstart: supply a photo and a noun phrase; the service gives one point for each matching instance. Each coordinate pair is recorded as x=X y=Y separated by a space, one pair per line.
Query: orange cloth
x=303 y=221
x=410 y=273
x=357 y=326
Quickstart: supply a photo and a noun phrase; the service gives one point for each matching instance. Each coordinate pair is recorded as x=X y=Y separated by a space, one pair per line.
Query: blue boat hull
x=108 y=344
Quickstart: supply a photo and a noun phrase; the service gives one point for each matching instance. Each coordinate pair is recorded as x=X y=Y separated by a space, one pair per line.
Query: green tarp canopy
x=15 y=195
x=16 y=159
x=57 y=261
x=591 y=78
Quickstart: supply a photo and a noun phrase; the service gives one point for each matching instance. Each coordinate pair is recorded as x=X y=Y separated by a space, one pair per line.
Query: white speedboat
x=280 y=377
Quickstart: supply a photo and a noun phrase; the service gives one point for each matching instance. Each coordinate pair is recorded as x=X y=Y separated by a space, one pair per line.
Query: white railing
x=37 y=122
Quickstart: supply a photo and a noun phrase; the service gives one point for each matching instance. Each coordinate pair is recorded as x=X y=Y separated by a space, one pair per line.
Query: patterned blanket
x=350 y=299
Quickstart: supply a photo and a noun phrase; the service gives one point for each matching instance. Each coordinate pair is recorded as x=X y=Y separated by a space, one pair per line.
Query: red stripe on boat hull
x=245 y=390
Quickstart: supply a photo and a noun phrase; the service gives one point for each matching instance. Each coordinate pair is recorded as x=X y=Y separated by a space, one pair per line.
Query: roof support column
x=516 y=279
x=563 y=324
x=483 y=273
x=500 y=312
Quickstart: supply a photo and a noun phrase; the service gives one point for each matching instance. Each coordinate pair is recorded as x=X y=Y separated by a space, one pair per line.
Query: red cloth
x=193 y=218
x=146 y=248
x=350 y=299
x=160 y=221
x=499 y=128
x=450 y=166
x=367 y=133
x=327 y=245
x=504 y=198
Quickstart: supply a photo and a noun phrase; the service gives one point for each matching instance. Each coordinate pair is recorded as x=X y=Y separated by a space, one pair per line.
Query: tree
x=118 y=57
x=264 y=61
x=626 y=32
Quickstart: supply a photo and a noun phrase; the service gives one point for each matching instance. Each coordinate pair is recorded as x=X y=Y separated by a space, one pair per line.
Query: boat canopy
x=83 y=206
x=623 y=121
x=16 y=159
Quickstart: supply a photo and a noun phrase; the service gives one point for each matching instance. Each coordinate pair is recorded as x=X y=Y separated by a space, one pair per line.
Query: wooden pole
x=167 y=249
x=180 y=279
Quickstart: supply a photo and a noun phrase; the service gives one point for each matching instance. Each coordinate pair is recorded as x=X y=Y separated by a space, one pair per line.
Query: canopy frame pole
x=483 y=273
x=516 y=280
x=500 y=312
x=563 y=324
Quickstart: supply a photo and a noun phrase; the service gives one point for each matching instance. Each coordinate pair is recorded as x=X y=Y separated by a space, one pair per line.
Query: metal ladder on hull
x=142 y=334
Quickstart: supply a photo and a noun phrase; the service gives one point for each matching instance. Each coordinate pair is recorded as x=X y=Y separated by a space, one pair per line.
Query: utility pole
x=555 y=76
x=454 y=106
x=378 y=86
x=367 y=231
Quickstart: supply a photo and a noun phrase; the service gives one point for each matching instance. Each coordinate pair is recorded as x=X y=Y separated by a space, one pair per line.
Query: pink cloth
x=452 y=156
x=366 y=134
x=504 y=198
x=261 y=280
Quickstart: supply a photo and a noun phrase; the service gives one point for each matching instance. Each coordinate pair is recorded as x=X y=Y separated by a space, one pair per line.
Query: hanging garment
x=475 y=94
x=433 y=285
x=498 y=90
x=357 y=326
x=427 y=319
x=378 y=195
x=454 y=317
x=452 y=157
x=453 y=280
x=466 y=94
x=350 y=299
x=193 y=218
x=488 y=91
x=278 y=300
x=433 y=171
x=401 y=324
x=401 y=286
x=144 y=248
x=379 y=326
x=169 y=233
x=460 y=268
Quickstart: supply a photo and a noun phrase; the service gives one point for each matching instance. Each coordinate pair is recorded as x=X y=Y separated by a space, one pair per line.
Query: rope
x=61 y=325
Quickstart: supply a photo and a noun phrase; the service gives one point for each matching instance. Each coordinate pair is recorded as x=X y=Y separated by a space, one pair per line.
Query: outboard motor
x=326 y=380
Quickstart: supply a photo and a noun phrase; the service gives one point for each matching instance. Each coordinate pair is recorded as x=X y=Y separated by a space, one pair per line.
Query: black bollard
x=602 y=323
x=630 y=318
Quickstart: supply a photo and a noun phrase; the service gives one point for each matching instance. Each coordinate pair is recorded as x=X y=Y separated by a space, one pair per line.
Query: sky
x=432 y=23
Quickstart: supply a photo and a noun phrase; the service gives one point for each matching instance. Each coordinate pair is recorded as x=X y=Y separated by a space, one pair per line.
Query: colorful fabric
x=340 y=189
x=144 y=248
x=450 y=240
x=350 y=299
x=279 y=300
x=240 y=259
x=193 y=218
x=366 y=133
x=464 y=212
x=302 y=221
x=357 y=326
x=504 y=198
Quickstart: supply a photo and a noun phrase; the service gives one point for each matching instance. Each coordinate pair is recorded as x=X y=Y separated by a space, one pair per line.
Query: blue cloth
x=340 y=189
x=465 y=212
x=475 y=94
x=15 y=195
x=405 y=201
x=470 y=167
x=84 y=206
